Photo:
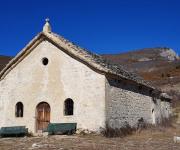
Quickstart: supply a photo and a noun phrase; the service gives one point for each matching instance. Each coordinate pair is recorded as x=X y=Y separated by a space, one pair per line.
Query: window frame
x=68 y=107
x=19 y=110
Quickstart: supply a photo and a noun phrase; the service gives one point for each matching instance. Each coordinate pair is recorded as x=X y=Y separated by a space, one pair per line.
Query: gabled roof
x=92 y=60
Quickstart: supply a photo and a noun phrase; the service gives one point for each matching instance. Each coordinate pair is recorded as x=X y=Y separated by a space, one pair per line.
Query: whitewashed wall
x=30 y=82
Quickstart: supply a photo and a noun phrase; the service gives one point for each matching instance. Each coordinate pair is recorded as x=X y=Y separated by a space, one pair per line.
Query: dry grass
x=127 y=130
x=117 y=132
x=149 y=139
x=144 y=137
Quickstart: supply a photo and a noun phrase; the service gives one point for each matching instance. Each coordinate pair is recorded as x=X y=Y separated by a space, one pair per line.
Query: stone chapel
x=54 y=80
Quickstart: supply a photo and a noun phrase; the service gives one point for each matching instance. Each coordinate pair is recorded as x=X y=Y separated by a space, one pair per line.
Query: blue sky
x=102 y=26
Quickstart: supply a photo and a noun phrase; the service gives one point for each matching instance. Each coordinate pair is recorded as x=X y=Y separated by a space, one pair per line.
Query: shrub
x=126 y=130
x=168 y=75
x=176 y=97
x=117 y=132
x=166 y=122
x=162 y=75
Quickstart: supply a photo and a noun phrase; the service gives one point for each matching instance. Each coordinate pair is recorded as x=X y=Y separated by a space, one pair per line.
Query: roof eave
x=68 y=49
x=33 y=43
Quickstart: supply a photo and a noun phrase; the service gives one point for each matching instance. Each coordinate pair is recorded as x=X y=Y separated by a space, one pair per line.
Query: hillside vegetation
x=4 y=60
x=160 y=66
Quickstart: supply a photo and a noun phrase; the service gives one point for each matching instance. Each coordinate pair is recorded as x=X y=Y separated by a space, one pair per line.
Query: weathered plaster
x=64 y=77
x=97 y=98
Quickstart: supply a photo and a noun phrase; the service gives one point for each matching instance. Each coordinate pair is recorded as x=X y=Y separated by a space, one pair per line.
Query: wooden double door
x=43 y=111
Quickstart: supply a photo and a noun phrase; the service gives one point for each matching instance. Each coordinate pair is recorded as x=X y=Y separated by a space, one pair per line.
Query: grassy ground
x=151 y=139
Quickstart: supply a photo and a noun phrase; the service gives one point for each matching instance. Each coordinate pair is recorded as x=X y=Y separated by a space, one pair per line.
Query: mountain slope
x=4 y=60
x=160 y=66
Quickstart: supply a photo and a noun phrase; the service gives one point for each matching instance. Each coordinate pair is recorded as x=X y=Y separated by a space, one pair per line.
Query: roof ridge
x=91 y=59
x=119 y=69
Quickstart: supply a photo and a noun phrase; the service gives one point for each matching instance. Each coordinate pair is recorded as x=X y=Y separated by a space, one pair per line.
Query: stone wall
x=96 y=99
x=127 y=103
x=162 y=109
x=30 y=82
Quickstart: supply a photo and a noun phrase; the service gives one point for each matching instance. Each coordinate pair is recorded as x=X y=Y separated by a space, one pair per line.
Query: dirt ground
x=150 y=139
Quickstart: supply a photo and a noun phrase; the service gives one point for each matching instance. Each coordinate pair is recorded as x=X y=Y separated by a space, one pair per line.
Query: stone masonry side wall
x=162 y=110
x=127 y=103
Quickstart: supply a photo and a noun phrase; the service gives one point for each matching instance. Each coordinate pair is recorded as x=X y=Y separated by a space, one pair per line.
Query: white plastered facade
x=30 y=82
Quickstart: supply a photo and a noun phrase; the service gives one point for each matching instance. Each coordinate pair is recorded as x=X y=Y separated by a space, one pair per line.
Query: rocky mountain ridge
x=160 y=66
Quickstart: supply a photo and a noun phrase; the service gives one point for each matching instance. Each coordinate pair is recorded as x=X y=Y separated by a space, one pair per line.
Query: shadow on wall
x=129 y=86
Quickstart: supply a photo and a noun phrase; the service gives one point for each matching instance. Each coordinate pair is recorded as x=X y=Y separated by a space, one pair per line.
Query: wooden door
x=43 y=116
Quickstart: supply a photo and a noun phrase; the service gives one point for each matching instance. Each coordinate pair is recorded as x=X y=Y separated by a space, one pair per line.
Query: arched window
x=19 y=109
x=68 y=107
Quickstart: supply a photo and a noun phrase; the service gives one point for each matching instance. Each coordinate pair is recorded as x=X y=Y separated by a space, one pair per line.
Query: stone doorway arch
x=43 y=111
